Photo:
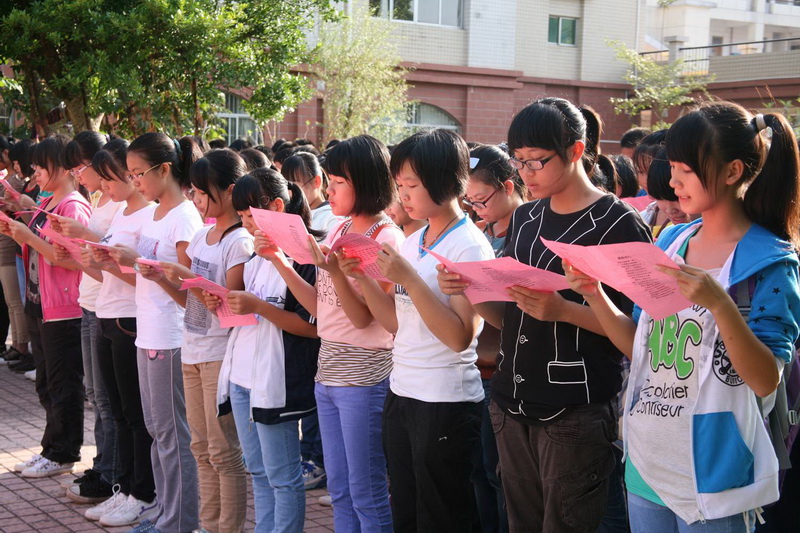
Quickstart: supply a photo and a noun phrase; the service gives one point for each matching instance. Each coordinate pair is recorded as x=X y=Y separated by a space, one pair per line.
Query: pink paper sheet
x=227 y=318
x=629 y=268
x=638 y=202
x=12 y=192
x=366 y=249
x=490 y=279
x=72 y=247
x=149 y=262
x=288 y=231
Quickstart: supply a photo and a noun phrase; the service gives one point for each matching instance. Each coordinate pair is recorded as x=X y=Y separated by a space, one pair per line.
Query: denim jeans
x=649 y=517
x=311 y=440
x=488 y=489
x=272 y=455
x=615 y=519
x=350 y=423
x=105 y=431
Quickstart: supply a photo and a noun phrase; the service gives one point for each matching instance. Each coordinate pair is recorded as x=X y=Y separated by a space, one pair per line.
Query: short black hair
x=217 y=143
x=632 y=137
x=364 y=161
x=22 y=153
x=49 y=153
x=647 y=149
x=658 y=176
x=441 y=160
x=549 y=124
x=254 y=158
x=628 y=184
x=240 y=144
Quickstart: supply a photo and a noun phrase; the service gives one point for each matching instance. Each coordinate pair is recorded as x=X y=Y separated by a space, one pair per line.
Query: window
x=237 y=122
x=563 y=31
x=423 y=116
x=439 y=12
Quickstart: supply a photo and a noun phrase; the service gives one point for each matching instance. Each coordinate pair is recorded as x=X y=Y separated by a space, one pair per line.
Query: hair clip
x=760 y=122
x=473 y=162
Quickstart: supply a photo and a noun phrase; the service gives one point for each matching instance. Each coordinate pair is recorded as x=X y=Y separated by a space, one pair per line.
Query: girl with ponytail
x=738 y=266
x=355 y=353
x=267 y=375
x=158 y=167
x=218 y=253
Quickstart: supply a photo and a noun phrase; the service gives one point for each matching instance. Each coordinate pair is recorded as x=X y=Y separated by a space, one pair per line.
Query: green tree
x=159 y=64
x=365 y=89
x=657 y=86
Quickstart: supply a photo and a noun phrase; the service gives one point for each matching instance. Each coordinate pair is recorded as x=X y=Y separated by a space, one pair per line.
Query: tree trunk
x=198 y=117
x=76 y=113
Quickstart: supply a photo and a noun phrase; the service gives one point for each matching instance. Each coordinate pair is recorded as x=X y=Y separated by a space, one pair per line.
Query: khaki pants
x=215 y=446
x=16 y=312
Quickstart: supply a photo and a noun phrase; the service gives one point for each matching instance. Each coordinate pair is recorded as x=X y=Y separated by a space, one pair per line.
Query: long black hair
x=718 y=133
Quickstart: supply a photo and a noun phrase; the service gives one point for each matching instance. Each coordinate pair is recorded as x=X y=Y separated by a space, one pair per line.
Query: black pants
x=117 y=354
x=5 y=320
x=429 y=449
x=556 y=476
x=59 y=384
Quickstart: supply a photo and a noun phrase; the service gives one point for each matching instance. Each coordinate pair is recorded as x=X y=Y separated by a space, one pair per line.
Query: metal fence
x=751 y=60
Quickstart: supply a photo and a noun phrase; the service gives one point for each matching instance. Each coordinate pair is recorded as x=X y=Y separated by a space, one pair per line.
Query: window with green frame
x=562 y=30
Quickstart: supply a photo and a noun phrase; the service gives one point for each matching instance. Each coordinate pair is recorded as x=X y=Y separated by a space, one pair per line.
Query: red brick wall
x=484 y=101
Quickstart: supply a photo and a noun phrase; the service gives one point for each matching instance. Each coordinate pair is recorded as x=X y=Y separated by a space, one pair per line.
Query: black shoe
x=87 y=475
x=12 y=354
x=24 y=364
x=92 y=490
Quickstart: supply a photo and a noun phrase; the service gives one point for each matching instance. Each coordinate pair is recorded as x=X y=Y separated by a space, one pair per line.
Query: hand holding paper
x=72 y=247
x=11 y=191
x=227 y=318
x=489 y=280
x=363 y=248
x=629 y=268
x=287 y=231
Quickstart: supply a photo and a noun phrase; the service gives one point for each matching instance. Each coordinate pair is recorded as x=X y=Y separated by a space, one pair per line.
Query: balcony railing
x=752 y=60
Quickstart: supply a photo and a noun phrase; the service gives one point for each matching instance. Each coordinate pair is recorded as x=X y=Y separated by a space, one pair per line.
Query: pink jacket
x=58 y=286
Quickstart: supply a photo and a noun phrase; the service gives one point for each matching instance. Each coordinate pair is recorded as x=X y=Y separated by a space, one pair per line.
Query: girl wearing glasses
x=494 y=191
x=554 y=391
x=218 y=253
x=53 y=314
x=95 y=484
x=159 y=167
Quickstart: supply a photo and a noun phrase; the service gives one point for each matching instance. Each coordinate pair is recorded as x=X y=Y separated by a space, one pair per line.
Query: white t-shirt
x=264 y=340
x=116 y=298
x=424 y=368
x=159 y=319
x=323 y=219
x=98 y=224
x=204 y=340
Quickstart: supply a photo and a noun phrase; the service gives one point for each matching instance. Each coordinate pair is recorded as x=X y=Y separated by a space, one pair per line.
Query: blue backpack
x=782 y=421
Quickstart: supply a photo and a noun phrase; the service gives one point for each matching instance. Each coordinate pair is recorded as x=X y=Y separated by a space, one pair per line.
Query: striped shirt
x=343 y=364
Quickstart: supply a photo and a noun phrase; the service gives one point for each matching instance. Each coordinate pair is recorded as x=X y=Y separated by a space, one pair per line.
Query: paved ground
x=28 y=505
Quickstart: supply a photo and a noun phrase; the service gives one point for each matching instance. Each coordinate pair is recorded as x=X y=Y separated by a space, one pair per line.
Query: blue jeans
x=649 y=517
x=350 y=421
x=272 y=454
x=105 y=428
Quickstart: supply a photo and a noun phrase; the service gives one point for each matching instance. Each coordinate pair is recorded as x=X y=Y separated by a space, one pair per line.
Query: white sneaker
x=132 y=511
x=326 y=500
x=47 y=468
x=117 y=499
x=30 y=374
x=19 y=467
